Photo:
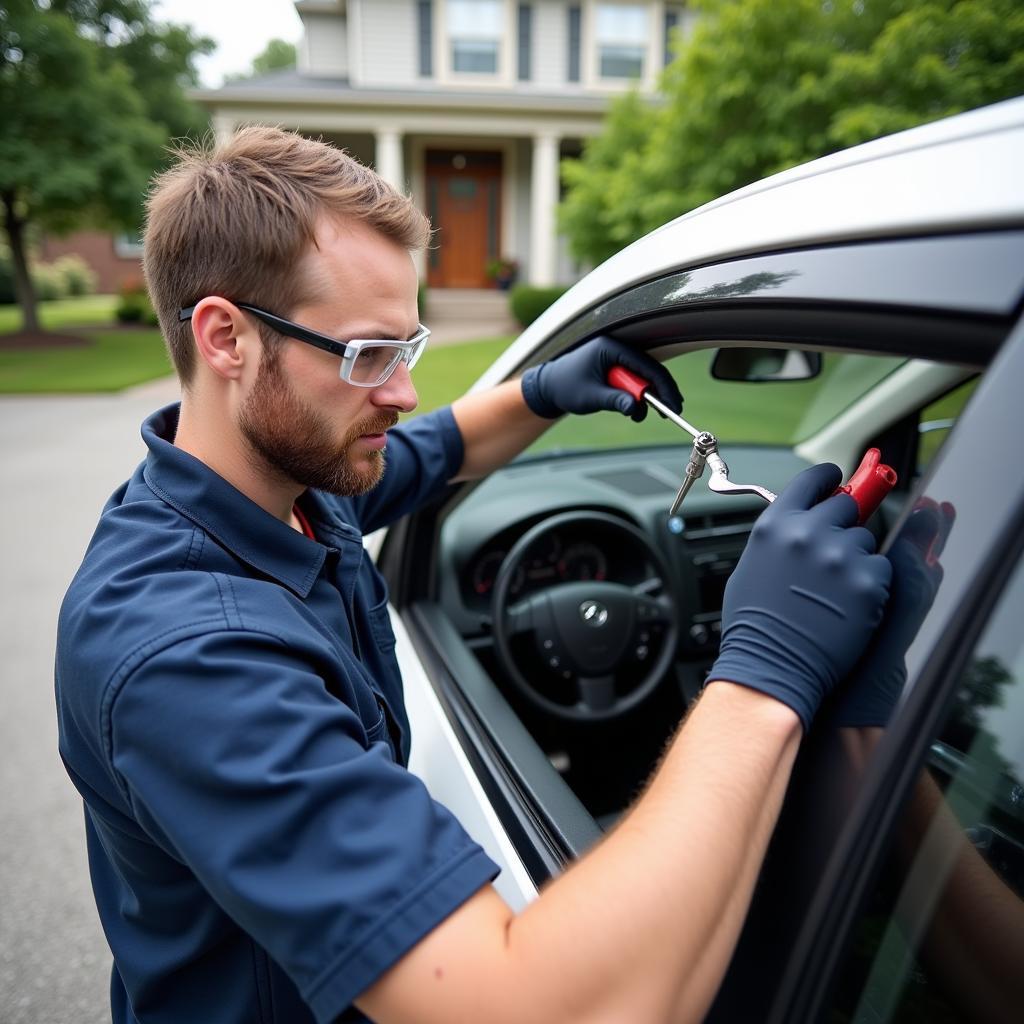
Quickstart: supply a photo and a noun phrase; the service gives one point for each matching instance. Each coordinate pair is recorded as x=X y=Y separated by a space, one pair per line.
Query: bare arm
x=643 y=927
x=496 y=425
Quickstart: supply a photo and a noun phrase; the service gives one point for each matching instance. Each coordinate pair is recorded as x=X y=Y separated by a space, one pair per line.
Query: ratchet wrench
x=870 y=483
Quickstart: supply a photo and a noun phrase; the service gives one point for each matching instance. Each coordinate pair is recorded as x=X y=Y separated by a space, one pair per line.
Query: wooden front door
x=464 y=206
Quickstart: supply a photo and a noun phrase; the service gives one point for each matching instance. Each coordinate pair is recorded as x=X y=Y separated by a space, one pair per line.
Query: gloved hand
x=868 y=697
x=805 y=598
x=577 y=381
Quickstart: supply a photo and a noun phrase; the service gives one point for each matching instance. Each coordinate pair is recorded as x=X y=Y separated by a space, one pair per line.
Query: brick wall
x=97 y=249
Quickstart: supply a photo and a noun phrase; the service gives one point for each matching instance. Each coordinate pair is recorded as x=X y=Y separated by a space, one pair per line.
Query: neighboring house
x=115 y=259
x=468 y=104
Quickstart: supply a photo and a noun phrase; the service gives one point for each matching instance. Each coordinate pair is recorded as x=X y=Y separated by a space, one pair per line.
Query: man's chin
x=360 y=474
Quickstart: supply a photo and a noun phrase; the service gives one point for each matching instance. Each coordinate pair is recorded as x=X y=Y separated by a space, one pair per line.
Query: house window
x=426 y=37
x=474 y=33
x=622 y=32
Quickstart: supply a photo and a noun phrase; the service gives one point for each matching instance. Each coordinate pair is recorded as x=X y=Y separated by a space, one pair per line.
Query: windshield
x=778 y=412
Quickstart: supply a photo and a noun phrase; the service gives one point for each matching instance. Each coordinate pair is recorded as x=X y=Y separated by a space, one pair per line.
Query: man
x=229 y=704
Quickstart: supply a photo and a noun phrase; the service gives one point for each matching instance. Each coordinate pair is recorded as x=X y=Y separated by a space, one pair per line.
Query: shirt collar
x=235 y=521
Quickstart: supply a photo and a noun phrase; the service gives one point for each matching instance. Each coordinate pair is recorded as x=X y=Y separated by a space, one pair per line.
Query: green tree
x=90 y=90
x=761 y=85
x=275 y=56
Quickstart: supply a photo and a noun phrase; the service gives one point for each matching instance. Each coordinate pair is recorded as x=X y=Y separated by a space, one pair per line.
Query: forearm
x=496 y=425
x=647 y=922
x=643 y=927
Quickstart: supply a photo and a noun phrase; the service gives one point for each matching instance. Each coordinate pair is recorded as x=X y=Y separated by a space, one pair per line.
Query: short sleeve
x=333 y=858
x=422 y=456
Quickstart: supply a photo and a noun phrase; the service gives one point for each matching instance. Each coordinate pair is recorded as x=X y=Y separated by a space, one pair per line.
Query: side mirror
x=765 y=364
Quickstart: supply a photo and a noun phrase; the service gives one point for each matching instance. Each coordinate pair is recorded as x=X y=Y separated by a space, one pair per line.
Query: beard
x=296 y=443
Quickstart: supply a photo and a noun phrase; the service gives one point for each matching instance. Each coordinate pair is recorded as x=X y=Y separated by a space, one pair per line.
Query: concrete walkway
x=62 y=457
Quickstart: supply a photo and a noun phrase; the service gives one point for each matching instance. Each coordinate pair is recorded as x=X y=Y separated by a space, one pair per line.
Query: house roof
x=292 y=86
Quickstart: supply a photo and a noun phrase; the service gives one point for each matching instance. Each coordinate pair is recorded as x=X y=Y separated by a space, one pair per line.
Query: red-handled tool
x=870 y=483
x=625 y=380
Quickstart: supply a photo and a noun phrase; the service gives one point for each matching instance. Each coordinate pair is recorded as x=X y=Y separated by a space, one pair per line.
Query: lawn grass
x=81 y=311
x=446 y=372
x=115 y=360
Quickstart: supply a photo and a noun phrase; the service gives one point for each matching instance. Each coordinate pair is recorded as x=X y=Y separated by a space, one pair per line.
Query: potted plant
x=503 y=272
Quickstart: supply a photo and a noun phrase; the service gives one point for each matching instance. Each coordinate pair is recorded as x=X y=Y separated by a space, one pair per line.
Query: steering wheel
x=587 y=633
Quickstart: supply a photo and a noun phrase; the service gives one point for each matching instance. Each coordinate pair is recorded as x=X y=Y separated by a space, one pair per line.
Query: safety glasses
x=365 y=362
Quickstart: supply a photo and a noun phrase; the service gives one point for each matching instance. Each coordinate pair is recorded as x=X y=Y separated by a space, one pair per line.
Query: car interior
x=567 y=524
x=584 y=516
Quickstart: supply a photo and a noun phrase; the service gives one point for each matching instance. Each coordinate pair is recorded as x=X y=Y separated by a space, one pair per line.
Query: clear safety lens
x=371 y=363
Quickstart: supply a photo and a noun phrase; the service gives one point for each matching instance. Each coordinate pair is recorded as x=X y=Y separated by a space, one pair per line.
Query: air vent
x=633 y=481
x=725 y=524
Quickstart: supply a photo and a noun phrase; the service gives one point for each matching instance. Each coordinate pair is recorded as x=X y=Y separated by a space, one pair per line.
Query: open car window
x=777 y=412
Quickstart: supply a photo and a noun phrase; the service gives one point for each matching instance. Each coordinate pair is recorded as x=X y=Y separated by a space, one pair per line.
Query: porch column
x=388 y=158
x=223 y=127
x=543 y=200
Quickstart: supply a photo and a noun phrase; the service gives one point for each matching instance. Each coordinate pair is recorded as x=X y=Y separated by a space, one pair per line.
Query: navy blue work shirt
x=230 y=708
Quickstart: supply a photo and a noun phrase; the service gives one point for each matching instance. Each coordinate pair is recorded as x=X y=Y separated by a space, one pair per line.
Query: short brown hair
x=233 y=219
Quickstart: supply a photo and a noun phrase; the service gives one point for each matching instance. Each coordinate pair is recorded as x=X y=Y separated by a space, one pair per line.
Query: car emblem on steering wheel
x=593 y=614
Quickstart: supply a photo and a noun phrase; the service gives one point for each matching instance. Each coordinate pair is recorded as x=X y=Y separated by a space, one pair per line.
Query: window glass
x=622 y=35
x=942 y=938
x=937 y=420
x=475 y=29
x=777 y=412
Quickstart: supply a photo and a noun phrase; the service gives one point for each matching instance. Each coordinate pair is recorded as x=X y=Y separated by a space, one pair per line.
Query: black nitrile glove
x=805 y=598
x=869 y=696
x=577 y=381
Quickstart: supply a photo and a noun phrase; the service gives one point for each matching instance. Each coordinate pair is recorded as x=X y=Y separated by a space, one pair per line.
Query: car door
x=914 y=909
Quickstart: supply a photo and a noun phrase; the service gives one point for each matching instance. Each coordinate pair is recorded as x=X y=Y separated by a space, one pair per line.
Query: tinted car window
x=942 y=938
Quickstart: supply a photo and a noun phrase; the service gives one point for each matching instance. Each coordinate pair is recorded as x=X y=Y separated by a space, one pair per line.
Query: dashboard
x=699 y=547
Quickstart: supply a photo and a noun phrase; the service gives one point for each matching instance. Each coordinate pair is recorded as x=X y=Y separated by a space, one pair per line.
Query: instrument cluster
x=561 y=556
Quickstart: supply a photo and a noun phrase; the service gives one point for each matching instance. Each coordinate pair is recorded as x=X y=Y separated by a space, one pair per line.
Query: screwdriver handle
x=625 y=380
x=871 y=482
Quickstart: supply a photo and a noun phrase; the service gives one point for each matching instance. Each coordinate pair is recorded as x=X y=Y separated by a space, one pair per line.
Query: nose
x=397 y=392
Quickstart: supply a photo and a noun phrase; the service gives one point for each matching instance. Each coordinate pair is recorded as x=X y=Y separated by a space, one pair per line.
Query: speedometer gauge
x=485 y=572
x=583 y=562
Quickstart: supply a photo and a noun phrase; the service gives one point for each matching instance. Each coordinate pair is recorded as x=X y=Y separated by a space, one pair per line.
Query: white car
x=876 y=295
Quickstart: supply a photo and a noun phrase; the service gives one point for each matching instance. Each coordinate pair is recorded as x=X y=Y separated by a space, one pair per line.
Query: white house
x=468 y=104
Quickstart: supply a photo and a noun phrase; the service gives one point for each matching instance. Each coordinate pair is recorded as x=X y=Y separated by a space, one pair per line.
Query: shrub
x=528 y=302
x=134 y=306
x=49 y=282
x=79 y=277
x=421 y=298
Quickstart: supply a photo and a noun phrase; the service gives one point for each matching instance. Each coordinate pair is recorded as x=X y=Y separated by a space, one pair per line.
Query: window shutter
x=574 y=42
x=671 y=20
x=424 y=9
x=525 y=38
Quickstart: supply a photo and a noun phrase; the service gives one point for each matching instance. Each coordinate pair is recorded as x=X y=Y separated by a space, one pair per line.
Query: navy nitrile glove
x=577 y=381
x=805 y=597
x=869 y=696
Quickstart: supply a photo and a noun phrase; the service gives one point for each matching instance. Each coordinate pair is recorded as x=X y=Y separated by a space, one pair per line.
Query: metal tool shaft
x=670 y=415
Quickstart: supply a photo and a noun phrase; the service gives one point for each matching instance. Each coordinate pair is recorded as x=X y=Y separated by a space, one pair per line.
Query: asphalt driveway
x=62 y=457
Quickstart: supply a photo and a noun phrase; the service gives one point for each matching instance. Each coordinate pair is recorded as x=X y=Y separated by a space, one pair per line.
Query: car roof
x=961 y=173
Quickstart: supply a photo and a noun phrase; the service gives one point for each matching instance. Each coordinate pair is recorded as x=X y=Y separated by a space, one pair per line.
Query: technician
x=229 y=703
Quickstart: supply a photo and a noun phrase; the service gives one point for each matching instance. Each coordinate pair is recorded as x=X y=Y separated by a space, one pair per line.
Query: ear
x=225 y=339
